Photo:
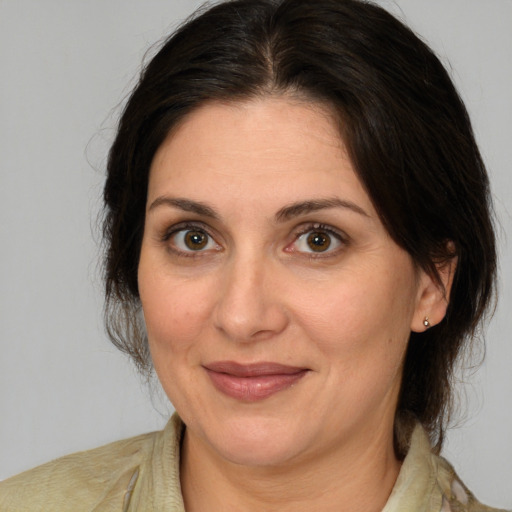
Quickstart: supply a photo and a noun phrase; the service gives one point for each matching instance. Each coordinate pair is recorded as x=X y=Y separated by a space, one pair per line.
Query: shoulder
x=79 y=481
x=456 y=496
x=428 y=483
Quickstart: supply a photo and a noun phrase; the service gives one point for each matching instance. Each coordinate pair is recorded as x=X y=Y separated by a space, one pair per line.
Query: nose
x=249 y=306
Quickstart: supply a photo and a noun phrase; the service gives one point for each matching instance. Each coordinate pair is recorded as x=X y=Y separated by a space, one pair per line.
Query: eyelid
x=302 y=230
x=188 y=226
x=184 y=226
x=320 y=226
x=299 y=231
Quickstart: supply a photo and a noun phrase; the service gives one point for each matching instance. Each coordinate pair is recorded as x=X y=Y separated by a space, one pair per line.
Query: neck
x=356 y=480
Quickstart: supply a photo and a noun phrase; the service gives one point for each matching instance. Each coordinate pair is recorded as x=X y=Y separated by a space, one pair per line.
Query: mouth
x=252 y=382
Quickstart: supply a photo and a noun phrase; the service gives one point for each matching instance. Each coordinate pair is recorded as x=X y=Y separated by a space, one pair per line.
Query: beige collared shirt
x=142 y=474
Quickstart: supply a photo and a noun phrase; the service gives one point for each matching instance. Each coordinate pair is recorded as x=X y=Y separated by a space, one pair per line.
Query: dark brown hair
x=401 y=119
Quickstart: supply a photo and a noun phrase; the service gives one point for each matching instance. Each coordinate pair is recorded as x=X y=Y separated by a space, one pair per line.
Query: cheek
x=176 y=311
x=363 y=316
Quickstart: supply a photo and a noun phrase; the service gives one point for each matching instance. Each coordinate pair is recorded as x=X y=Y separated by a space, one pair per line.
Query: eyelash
x=341 y=237
x=184 y=227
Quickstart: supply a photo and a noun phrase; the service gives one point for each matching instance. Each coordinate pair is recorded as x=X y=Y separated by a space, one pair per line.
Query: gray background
x=64 y=66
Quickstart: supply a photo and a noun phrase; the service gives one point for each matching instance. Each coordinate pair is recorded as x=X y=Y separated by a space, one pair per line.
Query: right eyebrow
x=186 y=205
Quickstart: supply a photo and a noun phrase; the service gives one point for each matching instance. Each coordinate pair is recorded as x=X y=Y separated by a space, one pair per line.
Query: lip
x=253 y=382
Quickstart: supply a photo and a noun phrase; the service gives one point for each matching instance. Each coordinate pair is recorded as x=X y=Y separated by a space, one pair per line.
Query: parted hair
x=401 y=119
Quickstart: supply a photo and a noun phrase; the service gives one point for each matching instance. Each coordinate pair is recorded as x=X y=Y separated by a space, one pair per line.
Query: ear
x=433 y=298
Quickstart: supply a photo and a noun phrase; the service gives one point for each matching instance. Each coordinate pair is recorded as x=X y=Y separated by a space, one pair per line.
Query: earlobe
x=433 y=296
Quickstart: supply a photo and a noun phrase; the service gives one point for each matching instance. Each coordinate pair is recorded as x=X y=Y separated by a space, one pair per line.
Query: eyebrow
x=304 y=207
x=286 y=213
x=186 y=205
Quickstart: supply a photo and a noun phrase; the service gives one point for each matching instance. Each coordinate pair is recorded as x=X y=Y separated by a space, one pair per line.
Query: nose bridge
x=248 y=307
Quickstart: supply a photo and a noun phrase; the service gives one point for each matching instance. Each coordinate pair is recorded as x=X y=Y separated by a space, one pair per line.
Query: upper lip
x=252 y=369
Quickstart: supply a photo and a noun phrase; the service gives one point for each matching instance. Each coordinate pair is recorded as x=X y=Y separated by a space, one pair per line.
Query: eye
x=192 y=240
x=318 y=240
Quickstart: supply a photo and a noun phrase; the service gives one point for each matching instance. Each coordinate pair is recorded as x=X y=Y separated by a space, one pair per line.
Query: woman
x=300 y=243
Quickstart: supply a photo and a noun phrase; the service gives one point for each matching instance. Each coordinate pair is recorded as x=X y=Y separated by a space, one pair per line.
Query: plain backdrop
x=66 y=67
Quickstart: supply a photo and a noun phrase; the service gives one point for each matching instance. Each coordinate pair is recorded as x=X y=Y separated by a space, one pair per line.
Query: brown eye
x=195 y=240
x=318 y=241
x=192 y=240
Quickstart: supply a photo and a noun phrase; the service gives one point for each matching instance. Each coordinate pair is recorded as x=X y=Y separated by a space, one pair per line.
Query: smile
x=253 y=382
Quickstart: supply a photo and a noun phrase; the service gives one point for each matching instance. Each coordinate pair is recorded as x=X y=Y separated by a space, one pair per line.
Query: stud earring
x=426 y=322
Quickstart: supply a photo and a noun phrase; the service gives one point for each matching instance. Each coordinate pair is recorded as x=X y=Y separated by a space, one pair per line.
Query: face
x=277 y=307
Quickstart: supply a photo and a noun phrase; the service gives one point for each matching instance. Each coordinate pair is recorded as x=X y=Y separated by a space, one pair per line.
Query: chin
x=247 y=452
x=257 y=442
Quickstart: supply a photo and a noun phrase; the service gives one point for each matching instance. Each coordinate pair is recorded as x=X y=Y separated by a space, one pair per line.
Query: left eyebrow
x=314 y=205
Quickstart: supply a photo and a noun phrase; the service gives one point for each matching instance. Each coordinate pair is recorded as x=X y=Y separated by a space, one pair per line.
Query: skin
x=258 y=292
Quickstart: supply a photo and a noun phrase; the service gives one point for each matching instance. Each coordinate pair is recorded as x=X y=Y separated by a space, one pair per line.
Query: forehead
x=267 y=146
x=254 y=124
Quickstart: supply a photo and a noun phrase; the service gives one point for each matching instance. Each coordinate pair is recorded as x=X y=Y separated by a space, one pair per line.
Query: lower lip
x=252 y=389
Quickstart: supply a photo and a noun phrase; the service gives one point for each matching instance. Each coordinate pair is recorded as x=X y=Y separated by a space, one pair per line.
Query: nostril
x=249 y=319
x=248 y=309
